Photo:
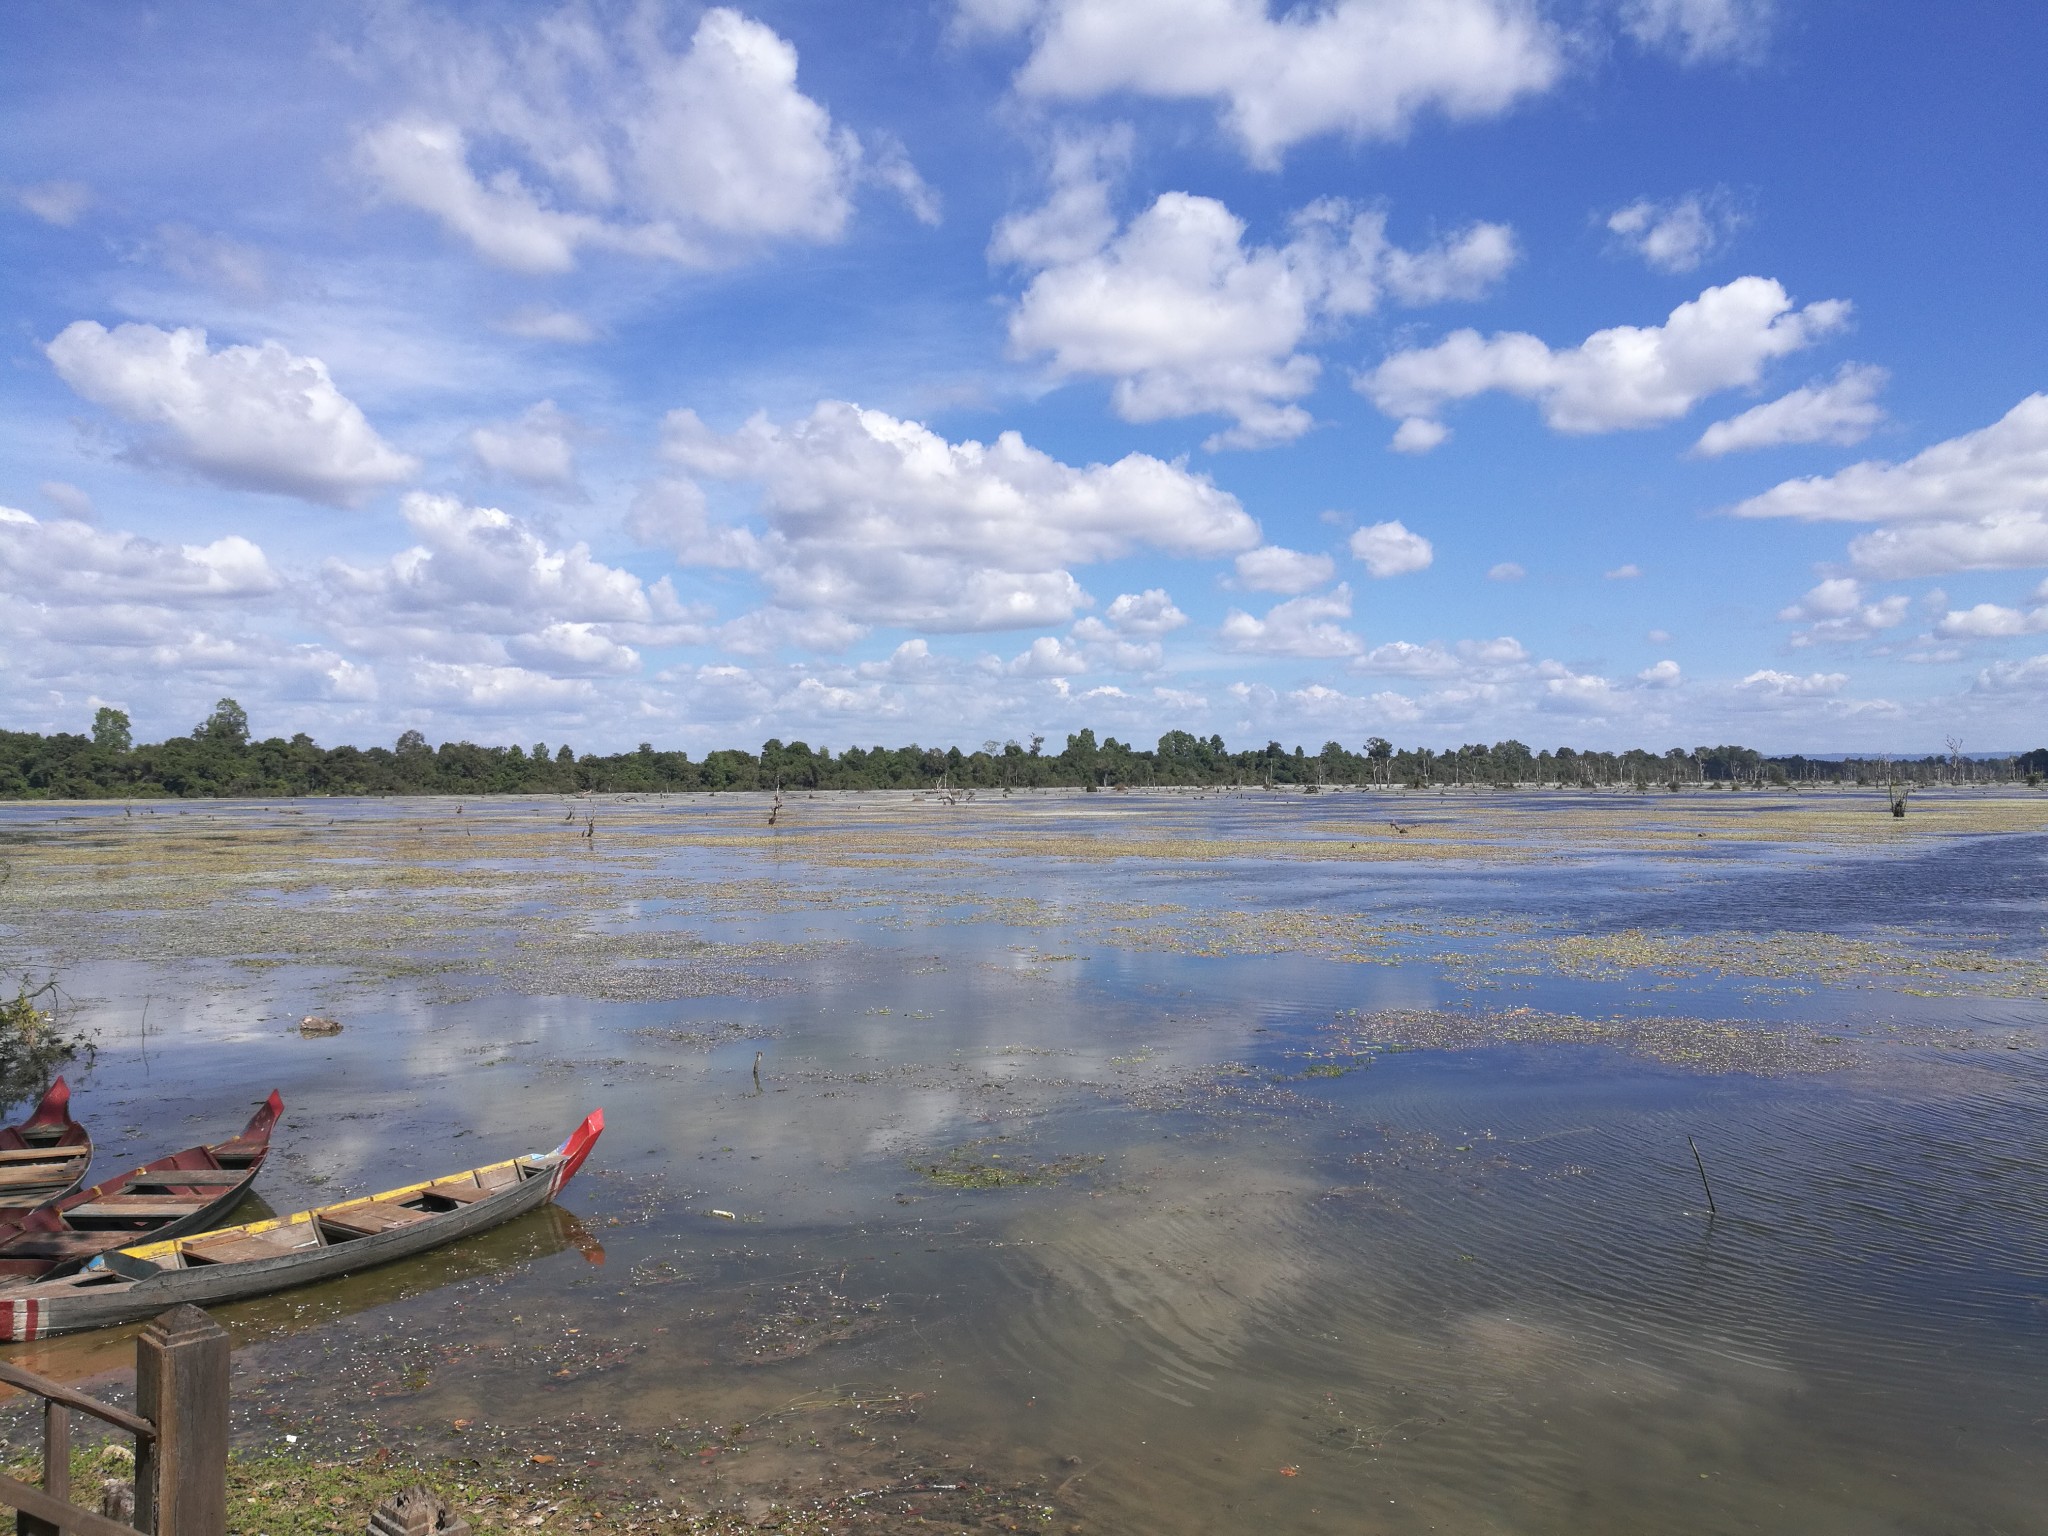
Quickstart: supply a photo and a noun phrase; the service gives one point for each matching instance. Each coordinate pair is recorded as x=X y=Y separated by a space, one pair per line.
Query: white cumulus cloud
x=1989 y=621
x=534 y=449
x=1389 y=549
x=605 y=137
x=1468 y=659
x=1574 y=693
x=1047 y=656
x=496 y=688
x=1770 y=684
x=1839 y=610
x=1150 y=612
x=1974 y=502
x=1301 y=626
x=1270 y=568
x=255 y=418
x=71 y=562
x=1187 y=318
x=1418 y=434
x=147 y=623
x=1844 y=410
x=1363 y=68
x=1675 y=236
x=2029 y=676
x=1126 y=636
x=480 y=588
x=1623 y=377
x=883 y=521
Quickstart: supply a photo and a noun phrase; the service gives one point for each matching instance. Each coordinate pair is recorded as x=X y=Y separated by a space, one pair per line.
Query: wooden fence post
x=56 y=1468
x=181 y=1385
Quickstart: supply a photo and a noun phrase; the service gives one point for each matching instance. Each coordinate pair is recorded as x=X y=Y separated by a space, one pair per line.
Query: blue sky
x=1613 y=372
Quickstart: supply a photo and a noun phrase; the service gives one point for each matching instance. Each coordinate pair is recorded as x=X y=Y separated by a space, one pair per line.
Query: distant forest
x=220 y=758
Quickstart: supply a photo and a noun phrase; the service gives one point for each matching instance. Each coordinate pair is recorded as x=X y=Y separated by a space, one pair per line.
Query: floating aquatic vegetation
x=1894 y=955
x=1325 y=935
x=708 y=1036
x=1697 y=1045
x=999 y=1163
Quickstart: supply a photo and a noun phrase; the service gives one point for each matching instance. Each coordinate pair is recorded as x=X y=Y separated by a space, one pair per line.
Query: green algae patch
x=996 y=1164
x=1890 y=955
x=1711 y=1046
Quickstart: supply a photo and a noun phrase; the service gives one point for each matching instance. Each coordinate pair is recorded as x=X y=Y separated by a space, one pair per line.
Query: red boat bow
x=54 y=1108
x=255 y=1135
x=576 y=1149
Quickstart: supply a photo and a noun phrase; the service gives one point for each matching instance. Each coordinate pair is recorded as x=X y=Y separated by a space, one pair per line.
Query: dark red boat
x=185 y=1192
x=45 y=1156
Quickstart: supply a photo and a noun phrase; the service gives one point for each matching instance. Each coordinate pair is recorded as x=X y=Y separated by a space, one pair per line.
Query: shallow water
x=1395 y=1226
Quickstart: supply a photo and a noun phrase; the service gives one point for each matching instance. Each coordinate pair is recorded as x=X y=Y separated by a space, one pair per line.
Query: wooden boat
x=184 y=1192
x=265 y=1256
x=46 y=1156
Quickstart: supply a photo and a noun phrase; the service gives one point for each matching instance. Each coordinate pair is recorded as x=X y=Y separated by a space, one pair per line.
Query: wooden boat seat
x=127 y=1207
x=371 y=1218
x=463 y=1191
x=194 y=1178
x=28 y=1173
x=42 y=1154
x=243 y=1247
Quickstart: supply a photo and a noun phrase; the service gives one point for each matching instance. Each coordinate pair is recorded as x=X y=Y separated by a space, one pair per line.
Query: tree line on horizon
x=220 y=758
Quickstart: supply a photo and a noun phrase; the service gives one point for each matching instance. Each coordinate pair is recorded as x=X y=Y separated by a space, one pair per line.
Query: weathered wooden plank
x=57 y=1245
x=194 y=1177
x=71 y=1397
x=56 y=1470
x=124 y=1206
x=33 y=1173
x=370 y=1217
x=31 y=1500
x=239 y=1248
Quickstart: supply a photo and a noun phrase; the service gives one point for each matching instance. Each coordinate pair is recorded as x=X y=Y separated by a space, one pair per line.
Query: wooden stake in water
x=1712 y=1209
x=757 y=1071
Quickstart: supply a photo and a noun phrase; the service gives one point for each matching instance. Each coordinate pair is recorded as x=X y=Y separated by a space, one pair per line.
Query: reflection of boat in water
x=264 y=1256
x=185 y=1192
x=539 y=1234
x=45 y=1157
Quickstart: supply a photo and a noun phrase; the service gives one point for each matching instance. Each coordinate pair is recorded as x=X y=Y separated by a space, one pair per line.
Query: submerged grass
x=973 y=1166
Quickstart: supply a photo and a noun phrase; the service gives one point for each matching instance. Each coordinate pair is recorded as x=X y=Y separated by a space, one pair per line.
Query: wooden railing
x=180 y=1425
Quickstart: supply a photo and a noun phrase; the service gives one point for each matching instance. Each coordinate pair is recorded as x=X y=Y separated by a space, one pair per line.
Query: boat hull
x=61 y=1235
x=41 y=1317
x=140 y=1282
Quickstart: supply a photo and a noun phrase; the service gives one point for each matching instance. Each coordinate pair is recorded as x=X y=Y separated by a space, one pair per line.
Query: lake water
x=1169 y=1162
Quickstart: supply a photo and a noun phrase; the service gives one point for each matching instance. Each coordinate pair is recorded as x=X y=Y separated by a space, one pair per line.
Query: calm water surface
x=1344 y=1230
